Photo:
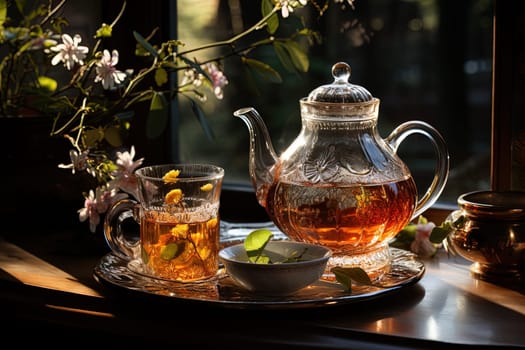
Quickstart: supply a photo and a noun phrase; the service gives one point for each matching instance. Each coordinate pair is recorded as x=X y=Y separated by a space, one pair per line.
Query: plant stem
x=229 y=42
x=52 y=12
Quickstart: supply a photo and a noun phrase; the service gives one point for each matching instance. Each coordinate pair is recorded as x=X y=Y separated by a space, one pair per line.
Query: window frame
x=505 y=73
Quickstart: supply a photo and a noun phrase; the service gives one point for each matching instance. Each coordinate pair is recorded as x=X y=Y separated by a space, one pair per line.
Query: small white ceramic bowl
x=277 y=278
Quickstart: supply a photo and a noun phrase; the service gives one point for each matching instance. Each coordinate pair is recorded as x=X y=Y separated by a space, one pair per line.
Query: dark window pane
x=425 y=60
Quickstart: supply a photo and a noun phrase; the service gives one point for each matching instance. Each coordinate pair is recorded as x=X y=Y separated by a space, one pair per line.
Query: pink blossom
x=218 y=79
x=125 y=178
x=90 y=211
x=421 y=244
x=97 y=203
x=106 y=71
x=106 y=197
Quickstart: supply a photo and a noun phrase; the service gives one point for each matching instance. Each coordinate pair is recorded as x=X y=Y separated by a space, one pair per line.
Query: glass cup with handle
x=178 y=213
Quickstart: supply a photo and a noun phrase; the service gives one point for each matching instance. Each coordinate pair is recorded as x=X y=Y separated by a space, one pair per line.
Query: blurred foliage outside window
x=428 y=60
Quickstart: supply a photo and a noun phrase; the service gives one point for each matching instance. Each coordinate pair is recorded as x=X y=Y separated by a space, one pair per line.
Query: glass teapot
x=339 y=184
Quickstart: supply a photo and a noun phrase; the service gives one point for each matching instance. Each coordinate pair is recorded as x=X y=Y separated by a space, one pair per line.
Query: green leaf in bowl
x=254 y=245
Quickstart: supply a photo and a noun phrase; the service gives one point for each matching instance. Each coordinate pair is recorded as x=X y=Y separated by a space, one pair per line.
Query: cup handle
x=121 y=244
x=442 y=162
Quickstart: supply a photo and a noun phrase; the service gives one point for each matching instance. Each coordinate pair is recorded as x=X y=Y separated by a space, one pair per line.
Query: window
x=426 y=60
x=429 y=60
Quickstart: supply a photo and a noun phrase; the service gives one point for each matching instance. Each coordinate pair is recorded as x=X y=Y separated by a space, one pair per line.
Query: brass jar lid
x=497 y=205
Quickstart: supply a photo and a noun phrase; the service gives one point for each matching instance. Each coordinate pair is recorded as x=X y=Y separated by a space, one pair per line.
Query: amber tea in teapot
x=343 y=217
x=339 y=184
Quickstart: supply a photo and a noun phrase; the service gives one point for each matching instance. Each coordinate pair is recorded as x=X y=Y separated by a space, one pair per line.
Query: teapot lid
x=341 y=90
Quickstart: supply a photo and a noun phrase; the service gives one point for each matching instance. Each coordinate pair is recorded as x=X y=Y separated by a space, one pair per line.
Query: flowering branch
x=91 y=109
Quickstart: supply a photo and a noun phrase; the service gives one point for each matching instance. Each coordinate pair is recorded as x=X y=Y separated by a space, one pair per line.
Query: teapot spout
x=262 y=156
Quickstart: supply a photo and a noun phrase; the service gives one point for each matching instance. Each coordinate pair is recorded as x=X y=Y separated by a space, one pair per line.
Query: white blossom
x=69 y=52
x=79 y=162
x=191 y=77
x=287 y=6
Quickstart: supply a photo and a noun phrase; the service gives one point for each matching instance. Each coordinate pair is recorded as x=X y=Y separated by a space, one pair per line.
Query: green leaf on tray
x=345 y=276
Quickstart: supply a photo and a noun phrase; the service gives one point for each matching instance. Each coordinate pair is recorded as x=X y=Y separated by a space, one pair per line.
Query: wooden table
x=48 y=295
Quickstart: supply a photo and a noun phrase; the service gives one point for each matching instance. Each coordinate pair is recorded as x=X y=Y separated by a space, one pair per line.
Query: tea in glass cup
x=178 y=212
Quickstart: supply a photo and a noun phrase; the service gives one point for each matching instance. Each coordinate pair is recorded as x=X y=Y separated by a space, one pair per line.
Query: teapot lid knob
x=341 y=72
x=341 y=90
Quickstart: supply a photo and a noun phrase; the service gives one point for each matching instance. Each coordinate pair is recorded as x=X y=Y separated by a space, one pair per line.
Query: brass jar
x=491 y=233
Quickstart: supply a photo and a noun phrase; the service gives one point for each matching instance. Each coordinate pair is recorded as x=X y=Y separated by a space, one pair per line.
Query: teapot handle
x=442 y=164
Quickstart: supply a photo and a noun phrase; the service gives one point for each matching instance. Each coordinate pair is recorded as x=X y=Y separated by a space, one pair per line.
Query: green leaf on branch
x=93 y=136
x=161 y=76
x=158 y=116
x=104 y=31
x=47 y=83
x=298 y=56
x=197 y=111
x=125 y=115
x=291 y=55
x=3 y=12
x=273 y=22
x=262 y=69
x=282 y=54
x=113 y=136
x=147 y=46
